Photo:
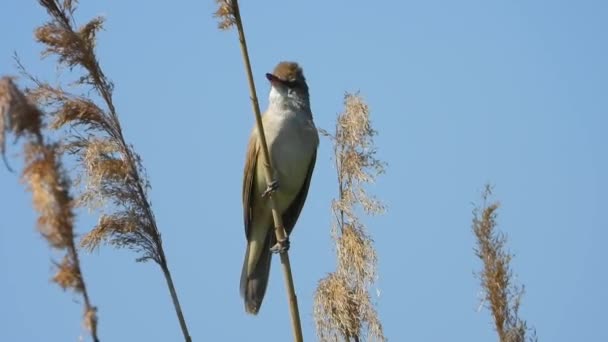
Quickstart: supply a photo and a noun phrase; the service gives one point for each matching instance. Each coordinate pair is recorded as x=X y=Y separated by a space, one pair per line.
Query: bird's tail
x=253 y=287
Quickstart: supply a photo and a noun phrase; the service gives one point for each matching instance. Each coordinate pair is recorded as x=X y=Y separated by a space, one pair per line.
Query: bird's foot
x=271 y=188
x=281 y=246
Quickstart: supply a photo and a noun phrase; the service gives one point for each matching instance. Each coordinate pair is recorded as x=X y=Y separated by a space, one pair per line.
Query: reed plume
x=47 y=180
x=500 y=293
x=343 y=308
x=111 y=174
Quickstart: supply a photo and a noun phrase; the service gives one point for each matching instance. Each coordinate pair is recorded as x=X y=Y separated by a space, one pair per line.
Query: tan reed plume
x=501 y=295
x=49 y=184
x=343 y=307
x=114 y=178
x=229 y=15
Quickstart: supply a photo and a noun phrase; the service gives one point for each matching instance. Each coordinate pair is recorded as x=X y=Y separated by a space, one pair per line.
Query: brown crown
x=289 y=71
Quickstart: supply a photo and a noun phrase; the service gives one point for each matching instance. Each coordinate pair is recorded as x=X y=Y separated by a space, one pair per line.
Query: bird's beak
x=273 y=79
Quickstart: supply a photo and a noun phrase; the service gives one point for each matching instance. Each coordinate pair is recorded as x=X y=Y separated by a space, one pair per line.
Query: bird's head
x=288 y=86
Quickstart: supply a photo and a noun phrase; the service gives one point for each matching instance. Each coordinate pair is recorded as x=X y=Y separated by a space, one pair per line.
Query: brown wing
x=248 y=179
x=290 y=216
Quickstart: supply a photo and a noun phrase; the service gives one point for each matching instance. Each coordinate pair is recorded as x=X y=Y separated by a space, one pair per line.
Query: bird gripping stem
x=278 y=220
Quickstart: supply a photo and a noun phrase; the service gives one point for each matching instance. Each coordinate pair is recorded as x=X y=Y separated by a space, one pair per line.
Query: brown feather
x=290 y=216
x=253 y=149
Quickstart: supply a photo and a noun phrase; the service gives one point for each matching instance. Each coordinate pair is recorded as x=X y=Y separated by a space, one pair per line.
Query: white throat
x=286 y=100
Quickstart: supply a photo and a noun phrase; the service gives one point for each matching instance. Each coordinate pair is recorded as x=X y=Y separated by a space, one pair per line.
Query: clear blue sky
x=462 y=92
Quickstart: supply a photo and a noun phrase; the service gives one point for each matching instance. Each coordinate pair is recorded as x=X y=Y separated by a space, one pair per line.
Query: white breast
x=292 y=140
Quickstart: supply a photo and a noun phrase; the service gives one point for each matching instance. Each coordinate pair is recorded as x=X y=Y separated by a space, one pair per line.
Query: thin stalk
x=278 y=221
x=85 y=295
x=340 y=186
x=178 y=308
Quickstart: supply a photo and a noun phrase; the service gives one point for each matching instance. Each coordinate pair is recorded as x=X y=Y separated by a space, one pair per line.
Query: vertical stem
x=278 y=221
x=85 y=295
x=296 y=325
x=178 y=308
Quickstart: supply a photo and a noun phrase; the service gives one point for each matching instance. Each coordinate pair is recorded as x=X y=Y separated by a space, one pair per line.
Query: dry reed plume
x=229 y=15
x=501 y=295
x=111 y=173
x=343 y=306
x=47 y=180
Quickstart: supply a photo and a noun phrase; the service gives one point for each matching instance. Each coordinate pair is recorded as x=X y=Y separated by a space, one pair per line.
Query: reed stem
x=278 y=221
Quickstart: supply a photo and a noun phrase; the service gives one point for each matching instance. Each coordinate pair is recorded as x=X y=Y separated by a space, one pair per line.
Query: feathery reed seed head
x=49 y=187
x=49 y=184
x=111 y=171
x=503 y=297
x=17 y=114
x=78 y=111
x=343 y=307
x=225 y=14
x=356 y=254
x=68 y=275
x=335 y=296
x=72 y=47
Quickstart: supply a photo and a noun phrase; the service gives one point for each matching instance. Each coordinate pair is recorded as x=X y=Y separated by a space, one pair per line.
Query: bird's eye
x=291 y=84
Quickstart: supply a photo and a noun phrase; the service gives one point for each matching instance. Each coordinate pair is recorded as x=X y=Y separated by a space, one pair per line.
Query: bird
x=292 y=140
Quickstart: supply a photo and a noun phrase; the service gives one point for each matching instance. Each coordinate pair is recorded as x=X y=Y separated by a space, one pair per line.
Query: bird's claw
x=271 y=188
x=281 y=246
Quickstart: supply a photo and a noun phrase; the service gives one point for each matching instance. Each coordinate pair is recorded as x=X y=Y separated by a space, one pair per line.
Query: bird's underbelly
x=291 y=162
x=291 y=169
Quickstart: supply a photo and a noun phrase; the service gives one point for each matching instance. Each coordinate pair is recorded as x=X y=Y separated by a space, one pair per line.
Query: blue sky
x=461 y=92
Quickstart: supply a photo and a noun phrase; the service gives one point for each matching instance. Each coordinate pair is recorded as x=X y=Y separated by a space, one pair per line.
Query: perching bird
x=292 y=140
